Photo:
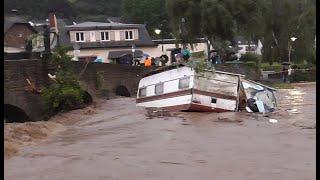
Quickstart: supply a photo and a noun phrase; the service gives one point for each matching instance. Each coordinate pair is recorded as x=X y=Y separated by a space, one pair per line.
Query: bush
x=63 y=97
x=250 y=57
x=65 y=92
x=199 y=54
x=200 y=66
x=99 y=79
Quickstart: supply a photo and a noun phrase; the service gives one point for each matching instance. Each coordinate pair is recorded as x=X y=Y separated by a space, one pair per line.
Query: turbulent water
x=121 y=141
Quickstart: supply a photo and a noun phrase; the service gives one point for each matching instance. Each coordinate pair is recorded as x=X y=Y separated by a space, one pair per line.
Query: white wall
x=154 y=51
x=243 y=49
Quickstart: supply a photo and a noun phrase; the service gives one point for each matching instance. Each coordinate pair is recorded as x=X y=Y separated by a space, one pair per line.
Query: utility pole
x=161 y=28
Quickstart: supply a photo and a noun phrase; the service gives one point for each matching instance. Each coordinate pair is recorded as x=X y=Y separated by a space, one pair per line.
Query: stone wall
x=16 y=91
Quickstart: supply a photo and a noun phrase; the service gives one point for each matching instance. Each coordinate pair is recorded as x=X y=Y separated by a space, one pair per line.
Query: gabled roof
x=100 y=25
x=11 y=20
x=144 y=38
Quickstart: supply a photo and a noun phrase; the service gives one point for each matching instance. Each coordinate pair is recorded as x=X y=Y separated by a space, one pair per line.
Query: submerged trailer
x=184 y=89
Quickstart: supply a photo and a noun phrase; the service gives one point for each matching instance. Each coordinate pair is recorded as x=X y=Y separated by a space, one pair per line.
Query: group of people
x=149 y=61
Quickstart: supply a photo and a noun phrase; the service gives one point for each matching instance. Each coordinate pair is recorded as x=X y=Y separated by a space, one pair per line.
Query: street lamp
x=293 y=39
x=290 y=48
x=158 y=31
x=133 y=49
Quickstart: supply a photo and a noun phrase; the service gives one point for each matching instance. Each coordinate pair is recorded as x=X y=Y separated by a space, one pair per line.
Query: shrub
x=62 y=97
x=199 y=54
x=200 y=66
x=99 y=79
x=250 y=57
x=65 y=92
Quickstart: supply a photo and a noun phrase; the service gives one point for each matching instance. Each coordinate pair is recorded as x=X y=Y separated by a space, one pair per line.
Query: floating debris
x=273 y=121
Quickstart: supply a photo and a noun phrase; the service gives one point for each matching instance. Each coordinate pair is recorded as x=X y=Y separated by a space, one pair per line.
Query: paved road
x=120 y=142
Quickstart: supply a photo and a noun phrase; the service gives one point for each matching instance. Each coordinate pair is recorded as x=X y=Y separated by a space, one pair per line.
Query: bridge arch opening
x=14 y=114
x=122 y=91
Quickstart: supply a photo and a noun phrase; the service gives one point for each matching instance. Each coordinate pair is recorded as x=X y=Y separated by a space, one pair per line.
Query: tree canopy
x=271 y=21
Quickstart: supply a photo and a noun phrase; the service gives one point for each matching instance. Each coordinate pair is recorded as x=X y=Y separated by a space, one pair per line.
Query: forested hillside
x=70 y=9
x=273 y=22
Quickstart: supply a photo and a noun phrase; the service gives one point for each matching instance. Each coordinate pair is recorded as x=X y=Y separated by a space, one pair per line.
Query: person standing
x=212 y=57
x=285 y=73
x=186 y=54
x=148 y=62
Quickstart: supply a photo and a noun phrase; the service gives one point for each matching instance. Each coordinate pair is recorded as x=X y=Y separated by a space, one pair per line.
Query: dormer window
x=129 y=35
x=80 y=37
x=105 y=36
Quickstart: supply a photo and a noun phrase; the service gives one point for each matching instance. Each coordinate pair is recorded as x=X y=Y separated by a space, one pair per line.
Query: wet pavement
x=121 y=142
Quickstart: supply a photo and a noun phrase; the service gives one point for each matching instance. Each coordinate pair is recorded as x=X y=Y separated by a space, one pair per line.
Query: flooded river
x=120 y=142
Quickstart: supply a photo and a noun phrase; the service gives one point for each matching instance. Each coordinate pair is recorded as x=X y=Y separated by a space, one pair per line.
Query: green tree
x=149 y=12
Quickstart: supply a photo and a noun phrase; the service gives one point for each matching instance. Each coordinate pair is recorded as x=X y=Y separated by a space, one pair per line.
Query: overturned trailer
x=185 y=89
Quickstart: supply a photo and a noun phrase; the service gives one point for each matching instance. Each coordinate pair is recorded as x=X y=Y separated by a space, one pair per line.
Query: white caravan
x=184 y=89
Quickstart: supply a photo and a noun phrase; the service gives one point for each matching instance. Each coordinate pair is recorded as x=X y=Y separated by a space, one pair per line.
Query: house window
x=213 y=100
x=184 y=83
x=158 y=88
x=129 y=35
x=79 y=37
x=142 y=92
x=105 y=36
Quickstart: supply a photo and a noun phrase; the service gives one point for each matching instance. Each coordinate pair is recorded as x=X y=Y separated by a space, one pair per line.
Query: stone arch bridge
x=99 y=80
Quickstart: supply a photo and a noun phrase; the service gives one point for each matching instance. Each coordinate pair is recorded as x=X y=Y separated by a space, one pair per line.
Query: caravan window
x=184 y=83
x=158 y=88
x=142 y=92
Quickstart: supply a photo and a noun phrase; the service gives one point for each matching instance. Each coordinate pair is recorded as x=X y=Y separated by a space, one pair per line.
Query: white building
x=244 y=46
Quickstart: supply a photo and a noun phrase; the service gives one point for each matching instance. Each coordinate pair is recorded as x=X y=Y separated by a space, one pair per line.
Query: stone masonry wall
x=16 y=91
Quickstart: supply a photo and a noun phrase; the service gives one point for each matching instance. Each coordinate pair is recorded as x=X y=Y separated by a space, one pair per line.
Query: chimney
x=53 y=23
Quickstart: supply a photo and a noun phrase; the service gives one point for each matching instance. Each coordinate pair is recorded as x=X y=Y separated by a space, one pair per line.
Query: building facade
x=107 y=41
x=114 y=42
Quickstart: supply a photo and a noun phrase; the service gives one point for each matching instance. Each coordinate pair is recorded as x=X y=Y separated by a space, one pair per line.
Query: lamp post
x=133 y=49
x=158 y=31
x=290 y=48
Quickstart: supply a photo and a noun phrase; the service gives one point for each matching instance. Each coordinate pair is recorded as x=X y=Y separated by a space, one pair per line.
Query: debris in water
x=223 y=119
x=273 y=120
x=157 y=112
x=293 y=111
x=248 y=109
x=167 y=162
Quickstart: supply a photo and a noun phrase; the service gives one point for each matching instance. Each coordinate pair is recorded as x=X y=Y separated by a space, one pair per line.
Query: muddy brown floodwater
x=121 y=142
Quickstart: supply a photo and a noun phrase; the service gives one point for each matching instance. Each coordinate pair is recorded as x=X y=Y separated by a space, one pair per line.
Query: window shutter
x=112 y=36
x=72 y=36
x=92 y=36
x=136 y=34
x=86 y=36
x=98 y=34
x=122 y=35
